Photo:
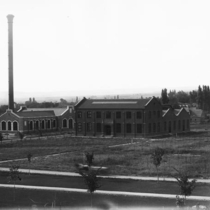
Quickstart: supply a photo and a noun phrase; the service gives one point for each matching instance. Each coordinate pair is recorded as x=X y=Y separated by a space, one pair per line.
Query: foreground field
x=44 y=199
x=125 y=156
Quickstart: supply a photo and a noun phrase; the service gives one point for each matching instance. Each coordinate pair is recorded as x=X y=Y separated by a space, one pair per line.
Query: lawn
x=44 y=199
x=187 y=153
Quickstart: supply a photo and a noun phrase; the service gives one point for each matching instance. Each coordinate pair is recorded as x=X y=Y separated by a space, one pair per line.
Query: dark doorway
x=108 y=130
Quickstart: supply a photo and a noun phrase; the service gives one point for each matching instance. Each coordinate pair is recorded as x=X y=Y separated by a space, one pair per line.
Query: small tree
x=29 y=156
x=157 y=156
x=14 y=176
x=186 y=186
x=1 y=137
x=89 y=158
x=91 y=181
x=21 y=135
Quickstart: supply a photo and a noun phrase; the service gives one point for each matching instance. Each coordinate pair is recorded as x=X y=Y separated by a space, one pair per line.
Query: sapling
x=29 y=157
x=14 y=176
x=157 y=156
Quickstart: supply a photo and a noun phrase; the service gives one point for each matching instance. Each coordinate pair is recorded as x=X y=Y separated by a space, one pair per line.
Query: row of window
x=108 y=114
x=152 y=127
x=118 y=128
x=154 y=114
x=36 y=125
x=48 y=124
x=177 y=125
x=9 y=126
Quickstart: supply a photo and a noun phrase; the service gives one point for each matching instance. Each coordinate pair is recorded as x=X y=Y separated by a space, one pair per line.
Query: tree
x=91 y=180
x=21 y=135
x=172 y=97
x=29 y=156
x=164 y=96
x=186 y=186
x=89 y=158
x=157 y=156
x=14 y=175
x=200 y=97
x=1 y=137
x=193 y=96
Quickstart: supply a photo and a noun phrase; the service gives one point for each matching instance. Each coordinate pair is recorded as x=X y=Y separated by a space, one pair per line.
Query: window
x=37 y=125
x=3 y=126
x=98 y=127
x=188 y=124
x=174 y=125
x=31 y=125
x=128 y=115
x=150 y=115
x=118 y=127
x=118 y=115
x=89 y=126
x=169 y=126
x=48 y=124
x=154 y=127
x=179 y=124
x=149 y=127
x=139 y=128
x=54 y=123
x=183 y=125
x=89 y=114
x=108 y=115
x=98 y=115
x=70 y=123
x=158 y=127
x=64 y=124
x=15 y=126
x=165 y=126
x=158 y=114
x=138 y=115
x=154 y=113
x=9 y=126
x=79 y=115
x=128 y=128
x=42 y=125
x=79 y=127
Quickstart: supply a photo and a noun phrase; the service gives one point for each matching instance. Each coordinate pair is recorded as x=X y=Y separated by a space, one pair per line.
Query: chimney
x=10 y=51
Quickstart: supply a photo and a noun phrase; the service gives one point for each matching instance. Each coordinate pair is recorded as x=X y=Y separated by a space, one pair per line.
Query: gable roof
x=112 y=103
x=24 y=114
x=196 y=112
x=56 y=111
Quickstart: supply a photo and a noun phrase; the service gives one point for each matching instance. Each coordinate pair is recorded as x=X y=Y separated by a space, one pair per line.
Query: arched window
x=9 y=126
x=42 y=125
x=3 y=126
x=15 y=126
x=48 y=124
x=64 y=123
x=37 y=125
x=54 y=123
x=70 y=123
x=31 y=125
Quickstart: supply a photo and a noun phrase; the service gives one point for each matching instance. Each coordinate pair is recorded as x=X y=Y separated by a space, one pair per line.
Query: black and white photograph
x=105 y=104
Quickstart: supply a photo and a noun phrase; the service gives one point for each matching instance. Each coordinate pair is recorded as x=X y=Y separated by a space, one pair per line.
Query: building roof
x=196 y=112
x=49 y=113
x=56 y=111
x=112 y=103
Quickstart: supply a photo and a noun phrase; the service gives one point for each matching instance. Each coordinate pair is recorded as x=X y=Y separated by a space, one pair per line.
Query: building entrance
x=108 y=130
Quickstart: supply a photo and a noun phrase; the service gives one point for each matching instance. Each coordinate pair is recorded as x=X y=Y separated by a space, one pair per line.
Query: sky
x=81 y=47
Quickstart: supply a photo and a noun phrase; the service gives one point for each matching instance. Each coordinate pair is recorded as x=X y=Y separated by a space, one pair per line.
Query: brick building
x=128 y=117
x=33 y=120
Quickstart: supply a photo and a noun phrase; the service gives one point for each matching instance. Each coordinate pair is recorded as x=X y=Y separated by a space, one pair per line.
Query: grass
x=25 y=199
x=189 y=153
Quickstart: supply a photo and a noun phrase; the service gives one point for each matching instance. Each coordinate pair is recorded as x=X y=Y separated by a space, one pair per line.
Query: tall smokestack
x=10 y=51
